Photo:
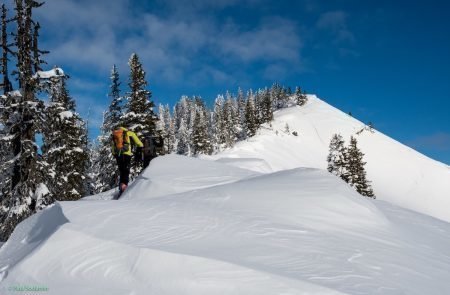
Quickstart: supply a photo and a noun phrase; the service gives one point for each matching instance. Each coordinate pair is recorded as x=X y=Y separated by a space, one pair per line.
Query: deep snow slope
x=300 y=231
x=399 y=174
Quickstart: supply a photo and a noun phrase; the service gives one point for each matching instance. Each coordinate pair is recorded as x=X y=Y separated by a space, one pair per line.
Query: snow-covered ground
x=399 y=174
x=191 y=226
x=261 y=218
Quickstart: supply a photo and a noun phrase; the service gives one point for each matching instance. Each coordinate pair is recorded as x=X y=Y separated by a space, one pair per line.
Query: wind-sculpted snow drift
x=190 y=226
x=399 y=174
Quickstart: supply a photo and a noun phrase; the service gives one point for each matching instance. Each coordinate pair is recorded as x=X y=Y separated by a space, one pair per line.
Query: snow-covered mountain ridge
x=264 y=218
x=399 y=174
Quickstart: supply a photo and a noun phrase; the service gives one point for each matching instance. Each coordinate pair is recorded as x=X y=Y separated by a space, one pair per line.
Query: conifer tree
x=300 y=97
x=229 y=121
x=250 y=117
x=355 y=168
x=169 y=141
x=104 y=168
x=139 y=116
x=278 y=96
x=6 y=84
x=258 y=108
x=218 y=123
x=183 y=139
x=65 y=144
x=240 y=122
x=201 y=143
x=23 y=113
x=337 y=157
x=266 y=106
x=113 y=116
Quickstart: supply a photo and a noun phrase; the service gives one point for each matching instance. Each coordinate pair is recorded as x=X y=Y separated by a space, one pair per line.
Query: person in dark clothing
x=121 y=149
x=152 y=148
x=124 y=164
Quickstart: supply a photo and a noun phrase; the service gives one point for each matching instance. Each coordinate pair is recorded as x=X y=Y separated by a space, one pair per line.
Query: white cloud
x=183 y=45
x=100 y=33
x=275 y=39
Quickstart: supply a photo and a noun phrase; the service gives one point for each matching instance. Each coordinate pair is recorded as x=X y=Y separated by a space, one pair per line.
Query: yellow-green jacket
x=129 y=134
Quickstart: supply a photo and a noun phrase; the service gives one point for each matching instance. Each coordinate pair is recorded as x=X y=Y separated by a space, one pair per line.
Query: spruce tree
x=250 y=117
x=229 y=118
x=23 y=115
x=113 y=116
x=6 y=84
x=104 y=167
x=300 y=97
x=201 y=143
x=240 y=122
x=169 y=140
x=139 y=116
x=278 y=96
x=355 y=168
x=337 y=157
x=183 y=139
x=65 y=144
x=266 y=106
x=218 y=123
x=258 y=107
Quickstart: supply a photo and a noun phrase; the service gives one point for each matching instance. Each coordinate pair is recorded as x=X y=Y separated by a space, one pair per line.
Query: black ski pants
x=124 y=163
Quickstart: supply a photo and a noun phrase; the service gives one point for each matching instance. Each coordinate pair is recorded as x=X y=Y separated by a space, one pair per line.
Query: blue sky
x=387 y=62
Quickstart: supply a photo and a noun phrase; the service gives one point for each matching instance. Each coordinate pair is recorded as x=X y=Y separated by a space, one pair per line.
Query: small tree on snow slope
x=337 y=157
x=356 y=171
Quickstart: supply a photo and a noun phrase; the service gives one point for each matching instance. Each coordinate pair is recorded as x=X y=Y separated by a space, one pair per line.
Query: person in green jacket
x=121 y=149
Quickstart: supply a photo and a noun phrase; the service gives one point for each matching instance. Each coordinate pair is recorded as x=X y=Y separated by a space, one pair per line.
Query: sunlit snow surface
x=190 y=226
x=399 y=174
x=261 y=218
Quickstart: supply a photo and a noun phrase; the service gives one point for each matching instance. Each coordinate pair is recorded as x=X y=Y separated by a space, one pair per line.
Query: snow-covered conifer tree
x=229 y=121
x=161 y=125
x=183 y=139
x=6 y=84
x=169 y=141
x=337 y=157
x=218 y=123
x=65 y=144
x=251 y=124
x=278 y=96
x=240 y=122
x=22 y=117
x=266 y=106
x=300 y=97
x=201 y=143
x=104 y=168
x=139 y=116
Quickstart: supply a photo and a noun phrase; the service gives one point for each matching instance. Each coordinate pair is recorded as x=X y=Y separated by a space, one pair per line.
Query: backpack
x=121 y=140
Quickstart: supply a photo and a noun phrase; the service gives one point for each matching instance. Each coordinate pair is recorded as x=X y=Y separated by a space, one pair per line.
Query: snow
x=264 y=217
x=41 y=190
x=15 y=93
x=55 y=72
x=192 y=226
x=399 y=174
x=66 y=115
